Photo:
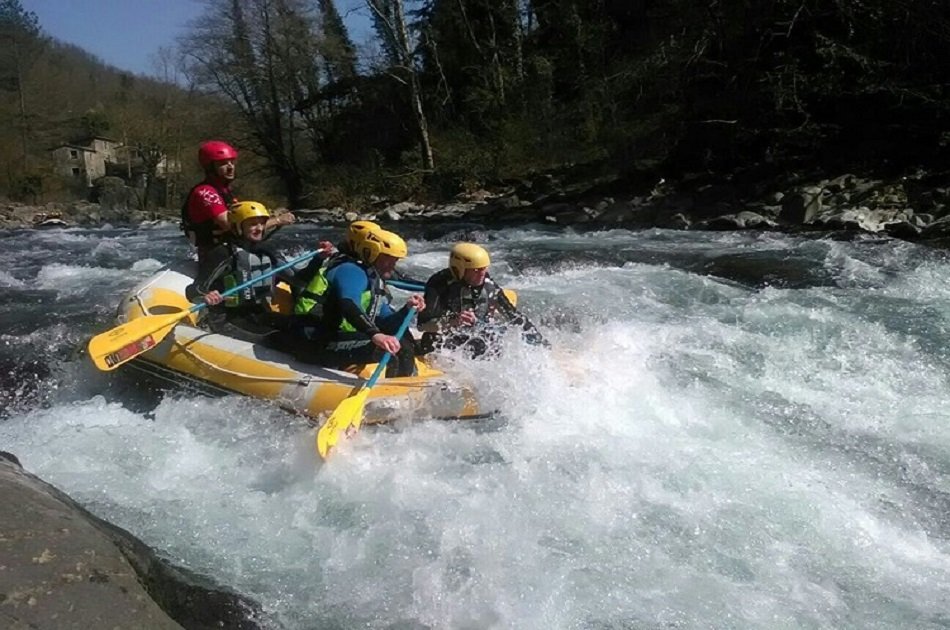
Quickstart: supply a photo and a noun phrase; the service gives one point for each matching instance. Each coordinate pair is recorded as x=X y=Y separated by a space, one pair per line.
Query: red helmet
x=215 y=150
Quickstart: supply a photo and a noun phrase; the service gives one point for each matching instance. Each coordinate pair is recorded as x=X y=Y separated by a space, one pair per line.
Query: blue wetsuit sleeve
x=390 y=320
x=347 y=284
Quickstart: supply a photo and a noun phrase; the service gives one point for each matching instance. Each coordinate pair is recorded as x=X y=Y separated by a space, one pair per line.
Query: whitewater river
x=732 y=430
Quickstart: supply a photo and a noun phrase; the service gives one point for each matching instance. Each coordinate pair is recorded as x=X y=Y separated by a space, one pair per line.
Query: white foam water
x=691 y=452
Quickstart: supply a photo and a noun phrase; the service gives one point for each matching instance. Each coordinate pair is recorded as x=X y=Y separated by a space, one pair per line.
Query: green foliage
x=27 y=187
x=66 y=95
x=95 y=123
x=336 y=46
x=264 y=57
x=15 y=21
x=383 y=18
x=504 y=89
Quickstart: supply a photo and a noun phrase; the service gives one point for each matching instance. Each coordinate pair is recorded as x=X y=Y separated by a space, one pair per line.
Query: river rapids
x=730 y=430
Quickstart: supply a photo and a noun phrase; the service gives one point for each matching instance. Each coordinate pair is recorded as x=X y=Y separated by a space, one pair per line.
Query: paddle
x=349 y=413
x=123 y=343
x=407 y=285
x=530 y=332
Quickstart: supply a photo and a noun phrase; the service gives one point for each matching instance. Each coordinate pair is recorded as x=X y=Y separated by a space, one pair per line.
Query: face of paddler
x=475 y=277
x=385 y=265
x=225 y=169
x=253 y=229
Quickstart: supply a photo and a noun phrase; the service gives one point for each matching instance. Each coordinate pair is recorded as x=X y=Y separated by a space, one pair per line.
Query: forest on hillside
x=453 y=95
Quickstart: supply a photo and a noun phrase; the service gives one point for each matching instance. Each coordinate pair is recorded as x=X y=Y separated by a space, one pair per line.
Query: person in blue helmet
x=344 y=316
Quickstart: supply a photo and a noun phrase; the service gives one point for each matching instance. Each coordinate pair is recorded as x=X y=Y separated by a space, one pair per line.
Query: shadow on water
x=752 y=269
x=141 y=389
x=762 y=269
x=926 y=324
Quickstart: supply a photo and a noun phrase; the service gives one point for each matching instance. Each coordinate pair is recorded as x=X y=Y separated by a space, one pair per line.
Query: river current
x=731 y=430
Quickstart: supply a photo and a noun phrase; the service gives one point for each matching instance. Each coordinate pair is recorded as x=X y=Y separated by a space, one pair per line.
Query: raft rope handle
x=306 y=380
x=138 y=294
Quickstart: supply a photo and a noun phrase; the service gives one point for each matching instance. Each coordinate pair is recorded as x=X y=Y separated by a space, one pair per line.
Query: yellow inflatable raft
x=192 y=355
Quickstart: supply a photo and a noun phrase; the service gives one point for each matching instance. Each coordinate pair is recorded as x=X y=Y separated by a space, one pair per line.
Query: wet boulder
x=60 y=570
x=745 y=220
x=801 y=206
x=62 y=567
x=115 y=198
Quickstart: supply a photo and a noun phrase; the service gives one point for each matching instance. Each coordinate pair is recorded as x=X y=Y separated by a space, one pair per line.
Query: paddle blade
x=123 y=343
x=349 y=413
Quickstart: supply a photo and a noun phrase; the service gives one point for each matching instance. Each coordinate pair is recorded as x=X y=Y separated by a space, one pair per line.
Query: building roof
x=70 y=145
x=91 y=138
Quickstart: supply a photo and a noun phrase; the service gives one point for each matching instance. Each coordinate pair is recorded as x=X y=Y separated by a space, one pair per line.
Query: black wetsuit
x=447 y=297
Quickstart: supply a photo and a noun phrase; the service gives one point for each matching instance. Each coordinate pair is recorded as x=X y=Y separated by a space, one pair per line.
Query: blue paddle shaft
x=382 y=362
x=241 y=287
x=406 y=285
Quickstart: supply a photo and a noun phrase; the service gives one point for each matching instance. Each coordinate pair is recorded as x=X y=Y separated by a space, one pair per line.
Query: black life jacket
x=482 y=300
x=202 y=234
x=247 y=265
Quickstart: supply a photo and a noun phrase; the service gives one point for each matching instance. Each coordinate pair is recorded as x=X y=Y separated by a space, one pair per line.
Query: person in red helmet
x=204 y=215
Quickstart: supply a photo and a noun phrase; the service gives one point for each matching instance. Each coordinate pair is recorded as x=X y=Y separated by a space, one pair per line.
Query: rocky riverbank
x=914 y=208
x=76 y=214
x=62 y=567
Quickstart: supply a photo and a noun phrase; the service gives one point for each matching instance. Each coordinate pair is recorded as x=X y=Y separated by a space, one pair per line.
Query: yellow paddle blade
x=512 y=296
x=123 y=343
x=349 y=413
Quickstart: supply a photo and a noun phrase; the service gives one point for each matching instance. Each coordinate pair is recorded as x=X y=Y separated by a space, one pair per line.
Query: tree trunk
x=24 y=139
x=519 y=30
x=147 y=191
x=415 y=92
x=425 y=147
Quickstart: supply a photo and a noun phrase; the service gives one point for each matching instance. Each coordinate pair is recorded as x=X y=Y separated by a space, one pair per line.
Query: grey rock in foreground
x=62 y=567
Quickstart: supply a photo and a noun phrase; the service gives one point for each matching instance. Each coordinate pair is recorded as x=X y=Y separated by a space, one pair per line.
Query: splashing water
x=729 y=430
